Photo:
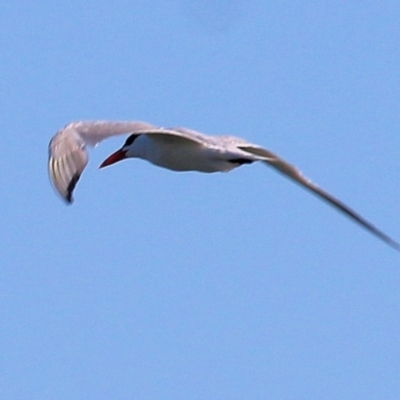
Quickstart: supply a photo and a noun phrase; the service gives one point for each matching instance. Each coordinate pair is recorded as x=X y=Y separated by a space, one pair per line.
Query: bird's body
x=178 y=154
x=177 y=149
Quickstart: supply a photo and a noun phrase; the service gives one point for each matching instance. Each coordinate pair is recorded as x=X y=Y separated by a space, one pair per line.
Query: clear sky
x=163 y=285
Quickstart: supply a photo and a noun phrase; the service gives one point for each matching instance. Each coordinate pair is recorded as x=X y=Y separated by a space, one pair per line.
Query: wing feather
x=68 y=156
x=296 y=175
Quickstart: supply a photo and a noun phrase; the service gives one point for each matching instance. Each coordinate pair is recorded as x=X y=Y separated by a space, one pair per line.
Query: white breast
x=180 y=155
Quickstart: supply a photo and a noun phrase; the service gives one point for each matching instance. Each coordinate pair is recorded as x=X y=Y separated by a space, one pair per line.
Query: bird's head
x=121 y=154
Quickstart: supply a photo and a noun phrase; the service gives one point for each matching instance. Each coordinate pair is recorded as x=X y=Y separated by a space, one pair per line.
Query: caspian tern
x=177 y=149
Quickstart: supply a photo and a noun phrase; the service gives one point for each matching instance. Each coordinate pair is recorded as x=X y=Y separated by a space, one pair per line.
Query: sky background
x=163 y=285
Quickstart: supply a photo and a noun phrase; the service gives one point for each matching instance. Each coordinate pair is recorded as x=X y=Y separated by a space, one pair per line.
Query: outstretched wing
x=67 y=150
x=295 y=174
x=67 y=160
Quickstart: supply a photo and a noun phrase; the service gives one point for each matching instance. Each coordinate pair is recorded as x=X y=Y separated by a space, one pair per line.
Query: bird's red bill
x=119 y=155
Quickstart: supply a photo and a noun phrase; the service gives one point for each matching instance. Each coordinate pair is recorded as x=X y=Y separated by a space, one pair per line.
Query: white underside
x=178 y=155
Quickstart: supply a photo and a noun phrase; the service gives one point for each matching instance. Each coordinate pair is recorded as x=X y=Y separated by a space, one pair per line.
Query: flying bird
x=177 y=149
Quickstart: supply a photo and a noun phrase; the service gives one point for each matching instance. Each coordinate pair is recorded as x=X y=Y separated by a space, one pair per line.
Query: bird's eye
x=130 y=140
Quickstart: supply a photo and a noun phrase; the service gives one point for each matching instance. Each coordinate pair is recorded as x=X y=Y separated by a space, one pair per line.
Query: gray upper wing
x=67 y=160
x=68 y=156
x=295 y=174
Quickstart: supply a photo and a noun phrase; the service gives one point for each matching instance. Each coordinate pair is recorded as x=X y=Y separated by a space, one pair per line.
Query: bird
x=176 y=149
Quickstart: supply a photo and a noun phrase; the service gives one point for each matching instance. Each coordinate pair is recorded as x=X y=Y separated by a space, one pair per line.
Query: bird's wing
x=67 y=160
x=180 y=136
x=295 y=174
x=67 y=149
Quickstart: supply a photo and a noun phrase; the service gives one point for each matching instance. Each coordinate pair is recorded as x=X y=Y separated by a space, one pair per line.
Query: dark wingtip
x=69 y=199
x=395 y=245
x=71 y=186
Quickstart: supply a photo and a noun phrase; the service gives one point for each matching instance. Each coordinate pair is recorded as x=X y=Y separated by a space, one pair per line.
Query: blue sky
x=160 y=285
